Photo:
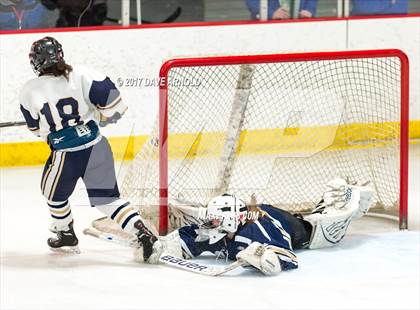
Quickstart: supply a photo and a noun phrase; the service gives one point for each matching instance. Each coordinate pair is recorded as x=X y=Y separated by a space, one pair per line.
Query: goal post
x=280 y=126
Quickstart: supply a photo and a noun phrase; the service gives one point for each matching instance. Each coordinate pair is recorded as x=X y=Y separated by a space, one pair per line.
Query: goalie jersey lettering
x=49 y=103
x=271 y=230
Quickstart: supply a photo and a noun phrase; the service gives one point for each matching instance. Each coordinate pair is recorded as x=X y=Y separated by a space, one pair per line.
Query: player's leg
x=101 y=183
x=299 y=230
x=59 y=178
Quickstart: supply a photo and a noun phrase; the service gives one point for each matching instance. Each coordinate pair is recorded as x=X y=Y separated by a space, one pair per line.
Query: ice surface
x=375 y=267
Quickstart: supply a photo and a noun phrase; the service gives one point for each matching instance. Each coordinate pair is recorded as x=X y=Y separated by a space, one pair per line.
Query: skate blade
x=66 y=250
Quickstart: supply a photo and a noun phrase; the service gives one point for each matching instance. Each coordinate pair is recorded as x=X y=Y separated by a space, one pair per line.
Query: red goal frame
x=294 y=57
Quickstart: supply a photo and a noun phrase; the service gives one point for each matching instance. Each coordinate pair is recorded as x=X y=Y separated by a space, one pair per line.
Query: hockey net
x=280 y=126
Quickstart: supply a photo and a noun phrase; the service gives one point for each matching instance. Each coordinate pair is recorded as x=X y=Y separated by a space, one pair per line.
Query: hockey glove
x=261 y=257
x=105 y=121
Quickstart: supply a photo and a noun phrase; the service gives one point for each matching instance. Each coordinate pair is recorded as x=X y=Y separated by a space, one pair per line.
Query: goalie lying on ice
x=263 y=236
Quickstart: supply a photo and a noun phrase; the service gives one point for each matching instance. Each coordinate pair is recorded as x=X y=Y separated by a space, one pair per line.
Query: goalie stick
x=111 y=238
x=167 y=259
x=199 y=268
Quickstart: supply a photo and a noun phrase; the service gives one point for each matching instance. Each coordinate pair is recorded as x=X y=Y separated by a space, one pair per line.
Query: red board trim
x=202 y=24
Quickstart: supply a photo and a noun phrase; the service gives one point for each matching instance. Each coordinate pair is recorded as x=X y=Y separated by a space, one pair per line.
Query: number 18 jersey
x=50 y=103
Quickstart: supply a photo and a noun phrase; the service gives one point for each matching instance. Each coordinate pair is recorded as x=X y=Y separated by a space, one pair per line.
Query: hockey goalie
x=259 y=235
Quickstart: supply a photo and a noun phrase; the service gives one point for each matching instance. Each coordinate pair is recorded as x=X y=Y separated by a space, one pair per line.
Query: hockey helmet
x=224 y=215
x=45 y=53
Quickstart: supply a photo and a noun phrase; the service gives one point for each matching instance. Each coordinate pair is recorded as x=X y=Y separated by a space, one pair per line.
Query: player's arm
x=102 y=93
x=107 y=100
x=184 y=243
x=29 y=114
x=31 y=122
x=181 y=243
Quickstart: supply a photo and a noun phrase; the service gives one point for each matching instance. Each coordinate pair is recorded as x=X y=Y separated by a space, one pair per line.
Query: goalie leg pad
x=330 y=225
x=366 y=200
x=327 y=232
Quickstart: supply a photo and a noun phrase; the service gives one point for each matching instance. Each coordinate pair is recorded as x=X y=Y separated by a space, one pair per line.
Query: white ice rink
x=375 y=267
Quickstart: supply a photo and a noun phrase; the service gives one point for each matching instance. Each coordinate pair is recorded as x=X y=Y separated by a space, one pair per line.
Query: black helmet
x=45 y=53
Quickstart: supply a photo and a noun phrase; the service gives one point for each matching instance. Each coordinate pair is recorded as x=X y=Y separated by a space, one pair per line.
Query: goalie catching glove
x=262 y=257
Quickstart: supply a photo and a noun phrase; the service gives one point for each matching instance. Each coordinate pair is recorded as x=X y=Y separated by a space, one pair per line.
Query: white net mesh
x=280 y=130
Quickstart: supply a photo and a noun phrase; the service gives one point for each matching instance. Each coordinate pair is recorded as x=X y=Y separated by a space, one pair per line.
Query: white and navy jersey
x=51 y=103
x=272 y=229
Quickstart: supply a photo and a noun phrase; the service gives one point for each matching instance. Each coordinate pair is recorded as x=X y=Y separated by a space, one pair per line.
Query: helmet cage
x=230 y=210
x=44 y=54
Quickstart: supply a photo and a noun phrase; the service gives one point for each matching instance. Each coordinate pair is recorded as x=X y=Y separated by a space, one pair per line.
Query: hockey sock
x=122 y=213
x=61 y=214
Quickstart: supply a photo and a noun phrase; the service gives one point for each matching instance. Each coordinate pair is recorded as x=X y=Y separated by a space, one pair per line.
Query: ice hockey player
x=64 y=106
x=265 y=237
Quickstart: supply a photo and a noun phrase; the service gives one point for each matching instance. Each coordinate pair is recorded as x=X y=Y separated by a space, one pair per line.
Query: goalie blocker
x=266 y=243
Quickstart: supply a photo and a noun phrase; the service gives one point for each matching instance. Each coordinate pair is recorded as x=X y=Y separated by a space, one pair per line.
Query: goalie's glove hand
x=261 y=257
x=105 y=121
x=169 y=244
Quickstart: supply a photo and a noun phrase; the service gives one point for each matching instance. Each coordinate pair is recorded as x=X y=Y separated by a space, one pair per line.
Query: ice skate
x=65 y=241
x=145 y=238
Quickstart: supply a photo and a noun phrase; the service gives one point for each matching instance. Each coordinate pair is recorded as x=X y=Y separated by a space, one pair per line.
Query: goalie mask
x=224 y=215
